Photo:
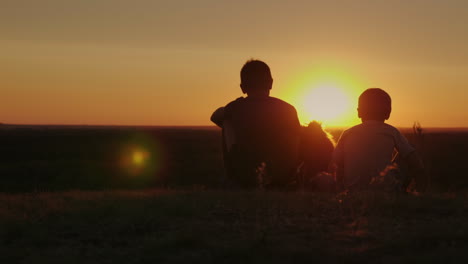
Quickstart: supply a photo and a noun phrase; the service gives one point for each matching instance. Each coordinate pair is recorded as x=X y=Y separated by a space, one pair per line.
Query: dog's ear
x=314 y=128
x=315 y=124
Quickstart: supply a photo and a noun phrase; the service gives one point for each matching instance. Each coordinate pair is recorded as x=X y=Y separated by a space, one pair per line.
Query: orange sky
x=147 y=62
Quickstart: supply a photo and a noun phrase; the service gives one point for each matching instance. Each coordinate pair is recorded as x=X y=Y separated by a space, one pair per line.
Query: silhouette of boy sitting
x=260 y=132
x=365 y=152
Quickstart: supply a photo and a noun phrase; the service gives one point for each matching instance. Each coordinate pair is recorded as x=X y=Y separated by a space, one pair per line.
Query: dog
x=315 y=153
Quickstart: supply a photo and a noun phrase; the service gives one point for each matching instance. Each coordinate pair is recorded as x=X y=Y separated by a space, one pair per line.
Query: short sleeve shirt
x=266 y=127
x=365 y=150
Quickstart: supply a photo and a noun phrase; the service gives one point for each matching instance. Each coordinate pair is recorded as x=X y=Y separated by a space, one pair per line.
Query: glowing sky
x=145 y=62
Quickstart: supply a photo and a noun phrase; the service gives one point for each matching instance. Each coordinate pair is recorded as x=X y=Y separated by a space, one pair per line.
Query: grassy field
x=197 y=226
x=149 y=195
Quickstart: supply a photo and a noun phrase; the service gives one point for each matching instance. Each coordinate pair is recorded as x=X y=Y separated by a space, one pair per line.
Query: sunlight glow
x=327 y=95
x=325 y=103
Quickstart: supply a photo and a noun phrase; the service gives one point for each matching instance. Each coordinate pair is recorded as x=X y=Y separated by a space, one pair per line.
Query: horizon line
x=206 y=126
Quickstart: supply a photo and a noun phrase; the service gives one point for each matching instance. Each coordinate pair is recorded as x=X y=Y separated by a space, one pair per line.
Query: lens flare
x=141 y=157
x=135 y=159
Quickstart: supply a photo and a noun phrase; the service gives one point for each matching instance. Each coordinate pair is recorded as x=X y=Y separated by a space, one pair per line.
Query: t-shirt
x=264 y=125
x=259 y=129
x=365 y=150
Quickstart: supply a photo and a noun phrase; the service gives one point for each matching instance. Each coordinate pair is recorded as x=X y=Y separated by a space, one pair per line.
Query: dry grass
x=231 y=227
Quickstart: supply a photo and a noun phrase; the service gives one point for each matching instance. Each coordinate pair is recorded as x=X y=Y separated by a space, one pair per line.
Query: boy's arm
x=218 y=117
x=413 y=160
x=337 y=164
x=416 y=169
x=295 y=126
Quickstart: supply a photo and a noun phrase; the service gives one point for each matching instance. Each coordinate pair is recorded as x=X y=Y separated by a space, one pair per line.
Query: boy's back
x=265 y=125
x=266 y=129
x=364 y=151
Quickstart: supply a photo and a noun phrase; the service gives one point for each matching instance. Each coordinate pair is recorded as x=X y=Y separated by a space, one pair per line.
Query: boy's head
x=255 y=77
x=374 y=104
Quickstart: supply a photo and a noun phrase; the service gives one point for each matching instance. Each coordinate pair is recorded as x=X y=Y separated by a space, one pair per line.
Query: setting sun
x=326 y=103
x=326 y=94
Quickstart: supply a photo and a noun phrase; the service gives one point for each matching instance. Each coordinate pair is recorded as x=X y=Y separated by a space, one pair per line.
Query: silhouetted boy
x=365 y=152
x=260 y=132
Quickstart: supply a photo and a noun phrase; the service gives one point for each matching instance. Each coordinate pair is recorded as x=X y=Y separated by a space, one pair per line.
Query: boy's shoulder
x=253 y=101
x=371 y=126
x=237 y=101
x=281 y=102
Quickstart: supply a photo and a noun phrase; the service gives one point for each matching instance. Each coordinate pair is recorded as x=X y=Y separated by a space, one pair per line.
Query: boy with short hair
x=365 y=152
x=260 y=132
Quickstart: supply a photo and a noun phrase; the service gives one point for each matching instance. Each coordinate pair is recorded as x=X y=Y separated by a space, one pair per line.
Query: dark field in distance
x=53 y=158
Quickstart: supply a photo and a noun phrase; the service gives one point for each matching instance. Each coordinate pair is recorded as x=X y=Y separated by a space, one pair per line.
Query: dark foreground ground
x=163 y=226
x=154 y=221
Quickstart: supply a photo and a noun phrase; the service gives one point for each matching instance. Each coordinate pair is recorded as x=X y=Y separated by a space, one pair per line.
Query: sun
x=329 y=104
x=327 y=95
x=326 y=103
